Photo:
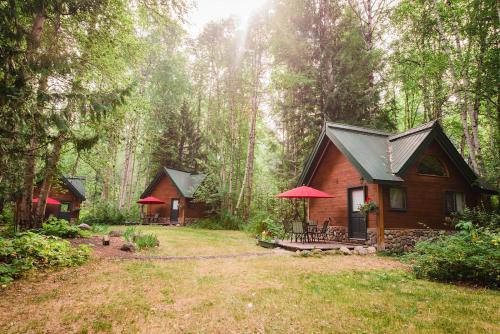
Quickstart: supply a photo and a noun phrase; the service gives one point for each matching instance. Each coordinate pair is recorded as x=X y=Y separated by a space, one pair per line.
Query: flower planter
x=267 y=244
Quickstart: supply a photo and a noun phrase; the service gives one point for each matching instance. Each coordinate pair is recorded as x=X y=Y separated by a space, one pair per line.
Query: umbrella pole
x=305 y=211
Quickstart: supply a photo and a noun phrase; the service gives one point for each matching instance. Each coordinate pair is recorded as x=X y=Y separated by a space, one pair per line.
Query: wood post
x=381 y=219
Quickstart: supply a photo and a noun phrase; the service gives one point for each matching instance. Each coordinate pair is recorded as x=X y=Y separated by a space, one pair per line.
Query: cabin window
x=455 y=202
x=190 y=203
x=65 y=207
x=397 y=198
x=430 y=165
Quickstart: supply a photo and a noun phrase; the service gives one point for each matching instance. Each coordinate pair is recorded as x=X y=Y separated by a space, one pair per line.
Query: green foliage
x=30 y=250
x=265 y=227
x=471 y=255
x=130 y=233
x=61 y=228
x=99 y=228
x=222 y=221
x=148 y=240
x=107 y=214
x=7 y=224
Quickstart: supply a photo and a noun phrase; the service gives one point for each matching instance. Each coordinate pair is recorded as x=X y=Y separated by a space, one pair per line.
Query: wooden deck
x=294 y=246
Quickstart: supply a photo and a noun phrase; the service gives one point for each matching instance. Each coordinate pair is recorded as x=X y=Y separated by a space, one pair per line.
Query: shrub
x=146 y=240
x=99 y=228
x=106 y=214
x=149 y=240
x=61 y=228
x=471 y=255
x=222 y=221
x=266 y=227
x=130 y=233
x=31 y=250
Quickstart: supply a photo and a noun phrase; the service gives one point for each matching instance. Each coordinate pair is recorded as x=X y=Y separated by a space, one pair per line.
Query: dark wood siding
x=334 y=175
x=426 y=195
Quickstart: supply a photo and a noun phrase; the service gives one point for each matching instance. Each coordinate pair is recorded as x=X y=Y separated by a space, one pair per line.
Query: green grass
x=270 y=294
x=185 y=241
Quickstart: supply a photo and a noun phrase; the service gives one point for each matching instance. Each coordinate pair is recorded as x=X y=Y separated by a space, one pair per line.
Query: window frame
x=454 y=193
x=405 y=199
x=446 y=174
x=69 y=207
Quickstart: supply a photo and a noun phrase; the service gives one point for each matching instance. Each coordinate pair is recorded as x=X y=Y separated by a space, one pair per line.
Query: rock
x=84 y=227
x=344 y=250
x=127 y=247
x=371 y=250
x=115 y=233
x=360 y=250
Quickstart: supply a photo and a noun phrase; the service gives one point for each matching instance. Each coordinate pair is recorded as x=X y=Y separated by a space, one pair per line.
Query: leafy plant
x=61 y=228
x=368 y=206
x=99 y=228
x=29 y=250
x=471 y=255
x=146 y=241
x=130 y=233
x=223 y=221
x=106 y=214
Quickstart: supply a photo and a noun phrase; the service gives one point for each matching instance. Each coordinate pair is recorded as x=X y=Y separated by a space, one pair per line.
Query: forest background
x=114 y=89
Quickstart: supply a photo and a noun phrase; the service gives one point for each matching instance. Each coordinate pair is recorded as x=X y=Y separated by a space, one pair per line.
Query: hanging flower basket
x=368 y=206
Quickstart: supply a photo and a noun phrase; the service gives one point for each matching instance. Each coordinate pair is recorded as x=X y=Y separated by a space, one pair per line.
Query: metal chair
x=322 y=235
x=298 y=231
x=287 y=225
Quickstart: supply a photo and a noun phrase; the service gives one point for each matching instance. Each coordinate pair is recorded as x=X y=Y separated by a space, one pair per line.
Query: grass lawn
x=269 y=294
x=183 y=241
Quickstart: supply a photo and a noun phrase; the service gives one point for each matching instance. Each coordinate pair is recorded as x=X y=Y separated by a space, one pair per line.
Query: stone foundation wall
x=340 y=234
x=405 y=239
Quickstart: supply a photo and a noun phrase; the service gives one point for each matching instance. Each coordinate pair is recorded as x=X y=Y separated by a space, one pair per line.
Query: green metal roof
x=186 y=183
x=381 y=157
x=76 y=184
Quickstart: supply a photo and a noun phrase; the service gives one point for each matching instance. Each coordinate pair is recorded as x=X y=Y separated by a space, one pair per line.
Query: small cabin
x=176 y=188
x=416 y=178
x=70 y=192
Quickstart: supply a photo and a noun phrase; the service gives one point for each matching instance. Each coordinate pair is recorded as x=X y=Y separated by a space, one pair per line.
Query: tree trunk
x=50 y=172
x=25 y=210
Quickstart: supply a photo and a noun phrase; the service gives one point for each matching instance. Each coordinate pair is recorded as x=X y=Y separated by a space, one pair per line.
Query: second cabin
x=177 y=190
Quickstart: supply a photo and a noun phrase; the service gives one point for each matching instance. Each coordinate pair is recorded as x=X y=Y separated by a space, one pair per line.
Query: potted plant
x=266 y=240
x=368 y=206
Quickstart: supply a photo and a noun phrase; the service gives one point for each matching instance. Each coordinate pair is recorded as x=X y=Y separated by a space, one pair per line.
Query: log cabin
x=177 y=189
x=70 y=191
x=416 y=178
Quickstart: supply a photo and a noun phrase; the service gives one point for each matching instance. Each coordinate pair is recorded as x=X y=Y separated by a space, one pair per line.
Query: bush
x=109 y=215
x=61 y=228
x=146 y=241
x=471 y=255
x=222 y=221
x=30 y=250
x=266 y=227
x=99 y=228
x=132 y=234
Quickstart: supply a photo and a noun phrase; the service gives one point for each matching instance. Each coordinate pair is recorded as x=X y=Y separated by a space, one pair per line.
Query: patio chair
x=322 y=235
x=155 y=219
x=298 y=231
x=287 y=225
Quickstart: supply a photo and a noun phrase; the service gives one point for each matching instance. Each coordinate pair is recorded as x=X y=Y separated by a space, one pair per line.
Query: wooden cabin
x=70 y=191
x=417 y=178
x=177 y=189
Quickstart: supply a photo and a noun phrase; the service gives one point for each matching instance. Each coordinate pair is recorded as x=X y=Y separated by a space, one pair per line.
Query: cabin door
x=357 y=221
x=174 y=210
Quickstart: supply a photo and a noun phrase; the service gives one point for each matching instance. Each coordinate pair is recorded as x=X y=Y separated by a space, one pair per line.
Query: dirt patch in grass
x=101 y=251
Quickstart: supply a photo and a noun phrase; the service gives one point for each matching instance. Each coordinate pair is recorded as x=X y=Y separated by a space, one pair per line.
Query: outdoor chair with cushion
x=322 y=235
x=298 y=231
x=287 y=225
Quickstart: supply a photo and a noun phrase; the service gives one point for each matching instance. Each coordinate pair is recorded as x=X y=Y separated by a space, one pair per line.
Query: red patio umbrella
x=150 y=200
x=49 y=201
x=304 y=192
